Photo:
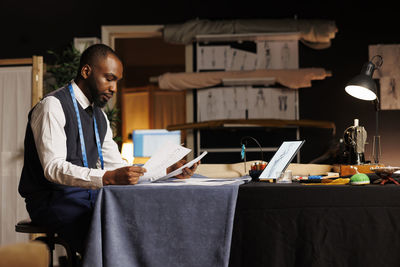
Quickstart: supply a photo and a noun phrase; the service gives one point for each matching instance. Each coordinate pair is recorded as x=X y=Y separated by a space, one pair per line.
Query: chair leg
x=49 y=241
x=71 y=257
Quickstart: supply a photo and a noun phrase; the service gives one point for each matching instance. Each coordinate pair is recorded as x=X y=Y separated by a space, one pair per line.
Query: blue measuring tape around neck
x=82 y=140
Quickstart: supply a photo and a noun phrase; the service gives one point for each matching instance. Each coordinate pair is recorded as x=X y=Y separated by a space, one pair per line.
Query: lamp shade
x=363 y=86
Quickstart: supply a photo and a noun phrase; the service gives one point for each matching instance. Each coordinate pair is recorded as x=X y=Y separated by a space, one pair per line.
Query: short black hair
x=93 y=53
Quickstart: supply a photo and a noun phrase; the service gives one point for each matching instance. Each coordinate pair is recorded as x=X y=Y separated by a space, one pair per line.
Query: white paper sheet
x=164 y=157
x=198 y=181
x=179 y=170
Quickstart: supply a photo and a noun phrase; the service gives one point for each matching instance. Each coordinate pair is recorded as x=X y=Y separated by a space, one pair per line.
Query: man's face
x=103 y=79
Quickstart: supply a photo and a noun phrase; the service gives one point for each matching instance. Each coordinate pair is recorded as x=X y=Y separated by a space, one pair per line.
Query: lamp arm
x=377 y=108
x=376 y=103
x=255 y=140
x=376 y=144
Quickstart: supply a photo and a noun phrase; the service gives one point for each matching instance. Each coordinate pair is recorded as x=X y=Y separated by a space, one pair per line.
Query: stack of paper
x=164 y=157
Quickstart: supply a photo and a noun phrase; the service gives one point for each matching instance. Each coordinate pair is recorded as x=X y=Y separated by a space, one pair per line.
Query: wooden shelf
x=240 y=37
x=254 y=123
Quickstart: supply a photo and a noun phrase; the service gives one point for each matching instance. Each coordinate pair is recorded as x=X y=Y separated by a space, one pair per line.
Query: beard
x=98 y=101
x=96 y=96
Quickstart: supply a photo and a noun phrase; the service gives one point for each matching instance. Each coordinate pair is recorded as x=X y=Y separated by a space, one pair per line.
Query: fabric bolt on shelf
x=314 y=33
x=291 y=78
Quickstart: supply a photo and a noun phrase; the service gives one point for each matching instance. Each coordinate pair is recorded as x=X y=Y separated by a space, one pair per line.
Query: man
x=69 y=150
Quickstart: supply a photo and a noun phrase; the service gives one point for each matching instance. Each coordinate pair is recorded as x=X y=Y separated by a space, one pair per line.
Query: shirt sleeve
x=47 y=123
x=111 y=155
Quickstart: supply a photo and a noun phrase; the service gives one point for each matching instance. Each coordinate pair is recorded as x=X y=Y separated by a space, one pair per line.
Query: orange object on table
x=348 y=170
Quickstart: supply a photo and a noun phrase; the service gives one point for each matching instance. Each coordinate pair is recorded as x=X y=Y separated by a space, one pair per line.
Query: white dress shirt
x=47 y=123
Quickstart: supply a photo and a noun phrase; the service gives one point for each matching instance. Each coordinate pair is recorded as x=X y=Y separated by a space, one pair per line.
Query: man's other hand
x=186 y=172
x=123 y=176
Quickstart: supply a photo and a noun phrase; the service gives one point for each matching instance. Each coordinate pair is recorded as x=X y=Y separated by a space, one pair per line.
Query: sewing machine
x=355 y=138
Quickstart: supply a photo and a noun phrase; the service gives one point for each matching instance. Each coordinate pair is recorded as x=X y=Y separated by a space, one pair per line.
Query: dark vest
x=33 y=183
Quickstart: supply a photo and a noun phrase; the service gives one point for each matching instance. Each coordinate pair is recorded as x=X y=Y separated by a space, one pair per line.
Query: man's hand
x=186 y=172
x=123 y=176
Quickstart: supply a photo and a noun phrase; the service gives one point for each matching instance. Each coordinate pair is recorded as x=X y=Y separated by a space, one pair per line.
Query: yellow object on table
x=338 y=181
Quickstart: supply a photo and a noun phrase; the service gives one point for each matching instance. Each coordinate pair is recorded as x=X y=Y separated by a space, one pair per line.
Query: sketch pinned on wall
x=260 y=102
x=226 y=104
x=212 y=57
x=390 y=92
x=241 y=60
x=266 y=55
x=237 y=102
x=285 y=56
x=250 y=62
x=221 y=103
x=277 y=55
x=259 y=106
x=388 y=75
x=210 y=104
x=239 y=96
x=280 y=104
x=213 y=104
x=284 y=102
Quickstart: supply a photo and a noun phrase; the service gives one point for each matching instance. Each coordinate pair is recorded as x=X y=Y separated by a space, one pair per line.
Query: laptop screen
x=281 y=159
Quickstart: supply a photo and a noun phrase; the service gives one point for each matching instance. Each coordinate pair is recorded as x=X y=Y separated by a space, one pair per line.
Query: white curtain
x=15 y=102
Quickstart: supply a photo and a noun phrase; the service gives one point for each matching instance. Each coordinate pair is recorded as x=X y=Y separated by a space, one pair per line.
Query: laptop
x=281 y=159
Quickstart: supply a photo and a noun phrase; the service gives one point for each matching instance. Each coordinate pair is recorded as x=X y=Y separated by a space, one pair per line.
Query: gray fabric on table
x=162 y=226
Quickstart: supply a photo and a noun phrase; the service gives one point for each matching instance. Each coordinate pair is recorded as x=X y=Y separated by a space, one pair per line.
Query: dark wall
x=32 y=27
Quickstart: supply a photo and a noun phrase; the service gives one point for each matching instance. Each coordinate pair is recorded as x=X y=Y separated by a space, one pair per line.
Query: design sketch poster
x=265 y=55
x=238 y=102
x=388 y=75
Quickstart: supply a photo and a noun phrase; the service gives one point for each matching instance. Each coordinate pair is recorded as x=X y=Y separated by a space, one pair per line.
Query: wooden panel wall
x=151 y=108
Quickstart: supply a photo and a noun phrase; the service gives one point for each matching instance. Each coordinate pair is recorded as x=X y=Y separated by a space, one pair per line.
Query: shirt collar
x=80 y=96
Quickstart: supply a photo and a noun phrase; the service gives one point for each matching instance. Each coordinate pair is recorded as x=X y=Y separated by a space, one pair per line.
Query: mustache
x=109 y=94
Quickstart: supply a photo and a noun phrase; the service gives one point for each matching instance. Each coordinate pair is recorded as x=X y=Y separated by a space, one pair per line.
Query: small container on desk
x=256 y=169
x=284 y=177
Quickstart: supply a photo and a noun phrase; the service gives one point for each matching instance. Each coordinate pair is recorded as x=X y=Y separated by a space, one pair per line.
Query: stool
x=51 y=239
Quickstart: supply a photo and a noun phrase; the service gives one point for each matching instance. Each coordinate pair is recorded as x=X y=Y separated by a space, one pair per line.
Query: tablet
x=281 y=159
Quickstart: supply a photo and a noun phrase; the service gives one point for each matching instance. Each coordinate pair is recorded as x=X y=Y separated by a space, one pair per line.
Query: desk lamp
x=364 y=87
